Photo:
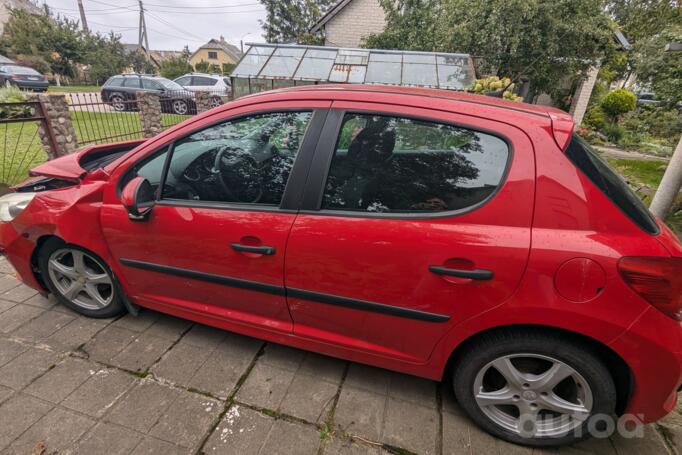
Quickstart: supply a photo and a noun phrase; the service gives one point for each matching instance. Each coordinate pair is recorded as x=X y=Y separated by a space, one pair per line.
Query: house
x=8 y=5
x=4 y=60
x=155 y=56
x=349 y=22
x=216 y=52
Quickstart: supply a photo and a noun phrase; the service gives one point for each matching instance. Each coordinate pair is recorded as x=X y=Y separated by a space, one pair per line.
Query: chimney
x=222 y=39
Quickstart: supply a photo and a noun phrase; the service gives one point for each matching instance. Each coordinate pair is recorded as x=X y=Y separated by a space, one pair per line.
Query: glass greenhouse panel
x=419 y=74
x=314 y=68
x=383 y=73
x=252 y=62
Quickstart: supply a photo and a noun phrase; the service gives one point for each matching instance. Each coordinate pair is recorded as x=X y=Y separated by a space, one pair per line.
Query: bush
x=596 y=119
x=618 y=102
x=615 y=133
x=493 y=84
x=13 y=95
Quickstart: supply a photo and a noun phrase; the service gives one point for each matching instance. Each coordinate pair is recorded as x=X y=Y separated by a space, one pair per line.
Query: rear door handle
x=476 y=274
x=253 y=249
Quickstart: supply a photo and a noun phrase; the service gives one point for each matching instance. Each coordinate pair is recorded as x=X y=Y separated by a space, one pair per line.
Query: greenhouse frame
x=271 y=66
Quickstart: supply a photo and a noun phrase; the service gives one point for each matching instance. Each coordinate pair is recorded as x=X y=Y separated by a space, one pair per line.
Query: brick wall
x=357 y=20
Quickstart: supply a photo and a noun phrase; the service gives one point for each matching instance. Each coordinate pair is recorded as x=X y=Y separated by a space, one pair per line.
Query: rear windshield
x=610 y=183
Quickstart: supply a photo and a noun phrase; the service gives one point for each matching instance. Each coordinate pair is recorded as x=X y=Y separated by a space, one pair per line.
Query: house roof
x=156 y=56
x=219 y=44
x=331 y=12
x=347 y=65
x=4 y=59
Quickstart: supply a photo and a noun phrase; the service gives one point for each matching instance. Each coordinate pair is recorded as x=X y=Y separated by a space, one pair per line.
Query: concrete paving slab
x=100 y=392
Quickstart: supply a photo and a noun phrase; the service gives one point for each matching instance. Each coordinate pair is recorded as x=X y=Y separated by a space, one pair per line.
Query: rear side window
x=610 y=183
x=388 y=164
x=204 y=81
x=114 y=82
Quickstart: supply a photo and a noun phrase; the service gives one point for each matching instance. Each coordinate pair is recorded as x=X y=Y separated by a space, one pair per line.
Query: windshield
x=169 y=85
x=20 y=70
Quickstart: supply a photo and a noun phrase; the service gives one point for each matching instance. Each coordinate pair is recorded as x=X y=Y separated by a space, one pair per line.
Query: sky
x=171 y=24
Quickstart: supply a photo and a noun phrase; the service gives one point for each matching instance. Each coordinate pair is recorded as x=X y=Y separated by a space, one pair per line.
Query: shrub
x=596 y=119
x=615 y=133
x=493 y=84
x=618 y=102
x=13 y=95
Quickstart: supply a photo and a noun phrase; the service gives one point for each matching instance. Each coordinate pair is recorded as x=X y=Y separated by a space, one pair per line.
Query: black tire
x=113 y=308
x=578 y=356
x=118 y=103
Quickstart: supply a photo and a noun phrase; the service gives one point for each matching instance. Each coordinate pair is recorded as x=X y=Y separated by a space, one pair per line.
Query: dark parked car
x=23 y=77
x=120 y=92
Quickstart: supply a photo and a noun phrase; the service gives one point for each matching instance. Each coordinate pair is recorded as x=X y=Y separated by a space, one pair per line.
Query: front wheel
x=79 y=279
x=536 y=389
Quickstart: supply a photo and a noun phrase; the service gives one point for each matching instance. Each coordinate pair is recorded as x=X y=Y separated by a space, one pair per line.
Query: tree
x=176 y=66
x=57 y=41
x=202 y=67
x=104 y=56
x=527 y=40
x=618 y=102
x=139 y=62
x=642 y=19
x=659 y=69
x=290 y=21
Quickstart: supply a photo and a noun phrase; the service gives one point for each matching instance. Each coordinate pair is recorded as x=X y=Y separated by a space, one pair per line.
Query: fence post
x=56 y=132
x=202 y=100
x=149 y=105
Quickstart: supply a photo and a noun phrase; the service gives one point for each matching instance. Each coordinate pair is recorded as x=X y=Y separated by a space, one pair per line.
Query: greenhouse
x=268 y=66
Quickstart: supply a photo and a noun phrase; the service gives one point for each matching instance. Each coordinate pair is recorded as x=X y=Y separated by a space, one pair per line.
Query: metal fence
x=100 y=122
x=21 y=147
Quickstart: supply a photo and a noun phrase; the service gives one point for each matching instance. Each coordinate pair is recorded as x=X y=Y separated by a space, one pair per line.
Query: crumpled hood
x=76 y=165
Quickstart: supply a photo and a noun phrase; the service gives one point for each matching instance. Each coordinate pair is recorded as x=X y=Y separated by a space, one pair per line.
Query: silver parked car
x=217 y=84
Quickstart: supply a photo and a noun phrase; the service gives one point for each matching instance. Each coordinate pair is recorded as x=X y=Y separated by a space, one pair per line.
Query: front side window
x=185 y=80
x=131 y=82
x=247 y=160
x=399 y=165
x=148 y=84
x=114 y=82
x=150 y=168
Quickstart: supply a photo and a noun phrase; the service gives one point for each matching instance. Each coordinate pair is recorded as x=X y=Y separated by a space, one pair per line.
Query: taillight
x=658 y=280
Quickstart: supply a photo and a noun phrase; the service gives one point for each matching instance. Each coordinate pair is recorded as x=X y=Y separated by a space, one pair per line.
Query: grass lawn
x=73 y=88
x=648 y=172
x=21 y=148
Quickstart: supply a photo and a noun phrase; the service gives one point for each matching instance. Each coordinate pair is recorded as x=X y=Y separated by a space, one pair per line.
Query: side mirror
x=138 y=198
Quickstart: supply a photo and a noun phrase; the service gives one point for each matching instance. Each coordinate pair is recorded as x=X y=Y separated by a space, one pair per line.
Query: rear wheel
x=79 y=279
x=180 y=107
x=535 y=389
x=117 y=102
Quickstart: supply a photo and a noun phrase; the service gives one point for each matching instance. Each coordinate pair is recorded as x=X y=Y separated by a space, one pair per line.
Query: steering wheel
x=234 y=167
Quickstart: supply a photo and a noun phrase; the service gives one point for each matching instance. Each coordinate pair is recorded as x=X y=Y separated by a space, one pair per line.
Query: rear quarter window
x=610 y=183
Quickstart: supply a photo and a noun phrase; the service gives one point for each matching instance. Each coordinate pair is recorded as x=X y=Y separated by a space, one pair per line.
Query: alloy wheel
x=533 y=395
x=180 y=107
x=80 y=278
x=117 y=103
x=214 y=102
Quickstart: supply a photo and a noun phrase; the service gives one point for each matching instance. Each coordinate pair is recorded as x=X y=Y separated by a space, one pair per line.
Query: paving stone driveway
x=156 y=384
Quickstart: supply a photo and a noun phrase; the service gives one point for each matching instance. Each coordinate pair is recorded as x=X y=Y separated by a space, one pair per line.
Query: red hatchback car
x=440 y=234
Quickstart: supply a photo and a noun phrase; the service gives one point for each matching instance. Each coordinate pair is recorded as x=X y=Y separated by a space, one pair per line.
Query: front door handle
x=253 y=249
x=476 y=274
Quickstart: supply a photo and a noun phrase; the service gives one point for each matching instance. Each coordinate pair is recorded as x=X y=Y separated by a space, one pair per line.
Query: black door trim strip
x=292 y=292
x=208 y=277
x=367 y=306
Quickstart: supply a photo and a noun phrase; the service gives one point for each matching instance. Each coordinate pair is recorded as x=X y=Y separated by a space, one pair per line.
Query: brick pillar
x=56 y=133
x=149 y=105
x=202 y=99
x=582 y=95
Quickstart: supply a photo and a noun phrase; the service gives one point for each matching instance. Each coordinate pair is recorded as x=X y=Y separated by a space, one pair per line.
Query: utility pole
x=142 y=35
x=84 y=21
x=672 y=178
